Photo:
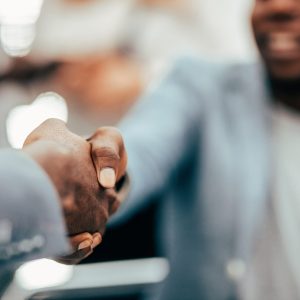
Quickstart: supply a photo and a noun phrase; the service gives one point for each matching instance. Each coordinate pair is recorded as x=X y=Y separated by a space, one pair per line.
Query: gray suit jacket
x=199 y=142
x=31 y=221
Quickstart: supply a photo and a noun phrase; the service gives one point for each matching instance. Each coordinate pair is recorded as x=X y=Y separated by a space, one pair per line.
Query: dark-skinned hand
x=86 y=194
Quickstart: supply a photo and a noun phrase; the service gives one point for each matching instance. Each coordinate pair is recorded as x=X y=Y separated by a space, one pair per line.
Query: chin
x=284 y=71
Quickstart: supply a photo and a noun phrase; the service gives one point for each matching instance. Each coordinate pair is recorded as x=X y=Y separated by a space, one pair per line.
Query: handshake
x=85 y=174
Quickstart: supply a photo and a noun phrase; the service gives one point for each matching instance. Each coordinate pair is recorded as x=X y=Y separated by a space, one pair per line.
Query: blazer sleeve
x=159 y=133
x=31 y=220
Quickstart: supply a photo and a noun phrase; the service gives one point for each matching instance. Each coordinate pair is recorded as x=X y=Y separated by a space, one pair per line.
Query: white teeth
x=283 y=42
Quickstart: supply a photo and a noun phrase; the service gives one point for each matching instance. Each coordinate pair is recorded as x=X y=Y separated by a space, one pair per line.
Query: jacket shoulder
x=203 y=75
x=194 y=65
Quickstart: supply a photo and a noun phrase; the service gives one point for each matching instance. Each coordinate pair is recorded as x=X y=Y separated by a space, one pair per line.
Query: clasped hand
x=84 y=173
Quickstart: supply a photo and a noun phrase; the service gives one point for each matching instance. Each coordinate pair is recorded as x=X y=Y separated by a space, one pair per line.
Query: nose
x=283 y=10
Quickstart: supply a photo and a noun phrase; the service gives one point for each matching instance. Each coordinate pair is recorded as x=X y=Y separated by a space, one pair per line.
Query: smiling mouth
x=281 y=46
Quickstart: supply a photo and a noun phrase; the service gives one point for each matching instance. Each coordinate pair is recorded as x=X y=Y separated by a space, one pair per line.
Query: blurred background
x=100 y=56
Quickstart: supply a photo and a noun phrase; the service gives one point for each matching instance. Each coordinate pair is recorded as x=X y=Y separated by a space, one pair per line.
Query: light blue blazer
x=198 y=142
x=31 y=221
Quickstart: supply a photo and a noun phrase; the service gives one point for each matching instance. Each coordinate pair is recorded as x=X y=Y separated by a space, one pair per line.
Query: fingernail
x=97 y=239
x=107 y=177
x=84 y=245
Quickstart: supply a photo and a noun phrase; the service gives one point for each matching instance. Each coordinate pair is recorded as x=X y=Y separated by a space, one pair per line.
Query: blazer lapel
x=252 y=136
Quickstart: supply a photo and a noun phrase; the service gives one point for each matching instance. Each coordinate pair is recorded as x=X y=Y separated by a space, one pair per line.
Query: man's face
x=276 y=26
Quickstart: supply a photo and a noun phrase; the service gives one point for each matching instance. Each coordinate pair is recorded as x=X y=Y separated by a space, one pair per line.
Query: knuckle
x=53 y=122
x=112 y=132
x=105 y=152
x=107 y=129
x=84 y=236
x=31 y=138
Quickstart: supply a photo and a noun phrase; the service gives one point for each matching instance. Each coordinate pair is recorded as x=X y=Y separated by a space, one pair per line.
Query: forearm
x=30 y=211
x=159 y=135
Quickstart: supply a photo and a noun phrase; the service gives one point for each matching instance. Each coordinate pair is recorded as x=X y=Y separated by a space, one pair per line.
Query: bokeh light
x=17 y=19
x=25 y=118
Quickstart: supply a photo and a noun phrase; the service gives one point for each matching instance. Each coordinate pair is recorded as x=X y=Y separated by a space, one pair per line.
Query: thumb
x=109 y=156
x=106 y=160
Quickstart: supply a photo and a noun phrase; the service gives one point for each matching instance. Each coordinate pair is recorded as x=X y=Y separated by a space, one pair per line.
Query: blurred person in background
x=100 y=55
x=218 y=145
